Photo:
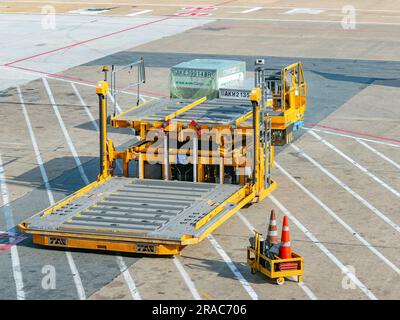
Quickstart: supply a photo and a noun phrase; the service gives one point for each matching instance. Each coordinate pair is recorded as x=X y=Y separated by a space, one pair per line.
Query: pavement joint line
x=353 y=137
x=356 y=164
x=302 y=285
x=65 y=132
x=128 y=278
x=325 y=250
x=8 y=215
x=74 y=270
x=340 y=220
x=348 y=189
x=188 y=281
x=238 y=276
x=379 y=153
x=215 y=18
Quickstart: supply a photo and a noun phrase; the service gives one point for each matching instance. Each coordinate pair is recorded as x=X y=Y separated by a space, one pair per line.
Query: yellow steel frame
x=254 y=257
x=293 y=99
x=134 y=243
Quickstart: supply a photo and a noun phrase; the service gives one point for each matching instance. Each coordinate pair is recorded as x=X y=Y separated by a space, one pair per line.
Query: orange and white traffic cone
x=285 y=252
x=272 y=236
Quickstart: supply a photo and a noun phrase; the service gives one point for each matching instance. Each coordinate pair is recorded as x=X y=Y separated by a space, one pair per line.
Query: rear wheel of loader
x=280 y=281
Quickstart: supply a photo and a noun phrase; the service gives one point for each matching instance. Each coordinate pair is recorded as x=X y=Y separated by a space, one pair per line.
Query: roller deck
x=155 y=216
x=222 y=112
x=134 y=214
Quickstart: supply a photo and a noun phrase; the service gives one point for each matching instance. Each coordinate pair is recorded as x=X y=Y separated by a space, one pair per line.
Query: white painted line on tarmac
x=112 y=100
x=355 y=163
x=39 y=160
x=353 y=137
x=325 y=250
x=65 y=80
x=232 y=267
x=338 y=22
x=379 y=154
x=348 y=189
x=89 y=113
x=252 y=10
x=304 y=11
x=128 y=279
x=89 y=12
x=17 y=272
x=75 y=274
x=246 y=222
x=8 y=216
x=85 y=107
x=138 y=13
x=306 y=289
x=186 y=278
x=338 y=219
x=120 y=261
x=65 y=132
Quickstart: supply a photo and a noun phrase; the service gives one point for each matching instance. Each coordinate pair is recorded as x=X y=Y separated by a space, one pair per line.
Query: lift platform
x=135 y=215
x=207 y=114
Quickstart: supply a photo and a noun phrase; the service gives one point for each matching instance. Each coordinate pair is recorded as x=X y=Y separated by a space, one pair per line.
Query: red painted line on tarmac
x=53 y=75
x=85 y=41
x=9 y=244
x=96 y=38
x=310 y=124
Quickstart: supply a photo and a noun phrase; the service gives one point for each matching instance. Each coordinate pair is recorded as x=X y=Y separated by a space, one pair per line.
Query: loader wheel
x=280 y=281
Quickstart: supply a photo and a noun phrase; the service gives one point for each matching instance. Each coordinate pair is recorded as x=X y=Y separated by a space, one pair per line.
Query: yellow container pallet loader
x=213 y=157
